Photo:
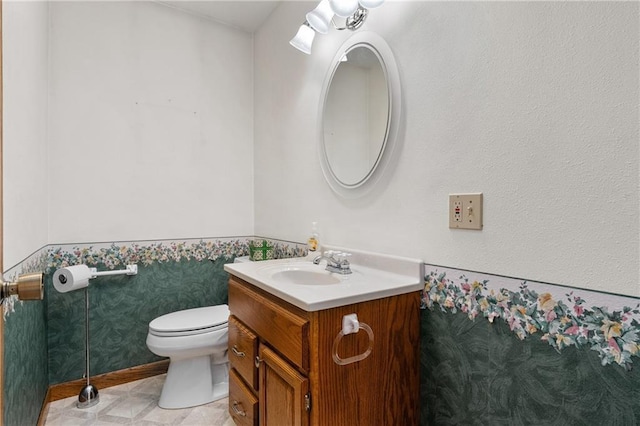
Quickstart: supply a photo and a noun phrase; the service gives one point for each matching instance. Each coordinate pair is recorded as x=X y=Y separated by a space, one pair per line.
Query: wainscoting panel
x=502 y=351
x=25 y=363
x=121 y=308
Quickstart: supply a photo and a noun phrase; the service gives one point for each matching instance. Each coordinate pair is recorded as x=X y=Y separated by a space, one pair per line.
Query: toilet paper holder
x=74 y=278
x=350 y=325
x=130 y=270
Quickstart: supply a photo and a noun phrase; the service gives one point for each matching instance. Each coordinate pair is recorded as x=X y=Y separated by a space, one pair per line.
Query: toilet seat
x=190 y=321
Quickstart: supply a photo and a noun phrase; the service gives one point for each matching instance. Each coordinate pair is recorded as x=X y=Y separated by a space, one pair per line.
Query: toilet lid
x=189 y=320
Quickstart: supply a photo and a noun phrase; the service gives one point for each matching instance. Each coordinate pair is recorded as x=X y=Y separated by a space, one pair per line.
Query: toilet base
x=194 y=381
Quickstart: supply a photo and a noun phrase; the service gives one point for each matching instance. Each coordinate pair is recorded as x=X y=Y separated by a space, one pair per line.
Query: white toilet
x=195 y=340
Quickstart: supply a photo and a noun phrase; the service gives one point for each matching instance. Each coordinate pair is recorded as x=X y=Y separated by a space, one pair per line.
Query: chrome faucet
x=336 y=261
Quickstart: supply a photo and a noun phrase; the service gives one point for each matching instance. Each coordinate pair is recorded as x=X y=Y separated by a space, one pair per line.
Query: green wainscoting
x=25 y=363
x=121 y=308
x=474 y=372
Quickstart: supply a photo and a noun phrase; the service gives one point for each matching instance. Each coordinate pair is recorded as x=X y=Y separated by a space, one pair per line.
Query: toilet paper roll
x=71 y=278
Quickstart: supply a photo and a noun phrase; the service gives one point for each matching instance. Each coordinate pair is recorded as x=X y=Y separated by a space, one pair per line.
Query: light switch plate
x=465 y=211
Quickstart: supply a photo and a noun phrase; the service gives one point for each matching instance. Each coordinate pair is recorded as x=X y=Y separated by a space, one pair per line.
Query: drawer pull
x=237 y=410
x=257 y=362
x=237 y=352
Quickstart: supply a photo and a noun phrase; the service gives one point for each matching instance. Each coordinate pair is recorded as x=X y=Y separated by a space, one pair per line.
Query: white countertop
x=374 y=276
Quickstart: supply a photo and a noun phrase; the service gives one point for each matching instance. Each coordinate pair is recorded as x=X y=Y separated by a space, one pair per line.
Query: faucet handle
x=343 y=255
x=343 y=260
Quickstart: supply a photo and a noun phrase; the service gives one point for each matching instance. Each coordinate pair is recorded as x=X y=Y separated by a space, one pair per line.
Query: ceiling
x=246 y=15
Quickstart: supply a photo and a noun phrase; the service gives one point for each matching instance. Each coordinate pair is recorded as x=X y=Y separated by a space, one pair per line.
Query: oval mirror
x=359 y=114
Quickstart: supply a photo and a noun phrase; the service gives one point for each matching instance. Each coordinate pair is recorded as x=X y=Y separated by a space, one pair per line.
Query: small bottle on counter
x=312 y=243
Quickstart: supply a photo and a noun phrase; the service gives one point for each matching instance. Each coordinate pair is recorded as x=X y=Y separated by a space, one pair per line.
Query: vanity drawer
x=243 y=404
x=243 y=349
x=283 y=327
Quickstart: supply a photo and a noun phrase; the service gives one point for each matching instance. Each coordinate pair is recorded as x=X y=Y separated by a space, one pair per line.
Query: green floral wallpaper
x=121 y=308
x=25 y=364
x=480 y=373
x=613 y=334
x=25 y=351
x=495 y=356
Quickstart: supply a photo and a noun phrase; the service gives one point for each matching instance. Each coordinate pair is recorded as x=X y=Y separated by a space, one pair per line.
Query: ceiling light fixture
x=318 y=20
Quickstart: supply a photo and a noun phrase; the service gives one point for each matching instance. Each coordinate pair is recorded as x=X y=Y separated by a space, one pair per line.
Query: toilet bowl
x=195 y=340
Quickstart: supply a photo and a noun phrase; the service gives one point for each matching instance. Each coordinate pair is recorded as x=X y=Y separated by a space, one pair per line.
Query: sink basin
x=301 y=274
x=298 y=276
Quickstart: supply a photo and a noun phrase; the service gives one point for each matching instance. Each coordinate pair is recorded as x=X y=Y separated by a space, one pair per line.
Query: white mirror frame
x=380 y=47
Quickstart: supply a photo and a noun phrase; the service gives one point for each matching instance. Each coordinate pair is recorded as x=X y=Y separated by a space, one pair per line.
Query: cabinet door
x=284 y=392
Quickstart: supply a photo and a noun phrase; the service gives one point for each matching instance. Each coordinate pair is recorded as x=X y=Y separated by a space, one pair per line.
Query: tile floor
x=136 y=403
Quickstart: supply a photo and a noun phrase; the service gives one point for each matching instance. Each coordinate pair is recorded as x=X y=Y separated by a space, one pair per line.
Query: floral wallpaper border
x=117 y=255
x=556 y=314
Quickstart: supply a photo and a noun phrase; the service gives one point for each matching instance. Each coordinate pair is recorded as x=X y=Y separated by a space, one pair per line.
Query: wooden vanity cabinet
x=294 y=378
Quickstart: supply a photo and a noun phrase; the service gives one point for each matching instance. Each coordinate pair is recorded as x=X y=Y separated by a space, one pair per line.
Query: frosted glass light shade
x=303 y=39
x=344 y=8
x=371 y=4
x=320 y=17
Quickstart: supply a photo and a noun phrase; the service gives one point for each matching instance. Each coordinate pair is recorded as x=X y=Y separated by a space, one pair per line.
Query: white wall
x=151 y=124
x=24 y=51
x=535 y=104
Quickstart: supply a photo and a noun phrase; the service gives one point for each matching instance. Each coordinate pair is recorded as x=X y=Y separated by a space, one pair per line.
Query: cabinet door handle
x=237 y=410
x=237 y=352
x=257 y=362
